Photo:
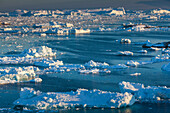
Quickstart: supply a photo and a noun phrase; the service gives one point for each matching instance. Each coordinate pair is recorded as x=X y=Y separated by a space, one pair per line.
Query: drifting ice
x=81 y=98
x=152 y=94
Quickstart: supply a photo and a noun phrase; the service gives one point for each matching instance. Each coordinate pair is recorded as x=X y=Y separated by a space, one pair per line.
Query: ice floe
x=28 y=56
x=142 y=51
x=132 y=63
x=94 y=71
x=124 y=41
x=91 y=64
x=153 y=94
x=135 y=74
x=124 y=53
x=18 y=74
x=81 y=98
x=48 y=63
x=161 y=58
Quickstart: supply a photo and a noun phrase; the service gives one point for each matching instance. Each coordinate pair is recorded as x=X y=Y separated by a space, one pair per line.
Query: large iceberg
x=81 y=98
x=20 y=74
x=154 y=94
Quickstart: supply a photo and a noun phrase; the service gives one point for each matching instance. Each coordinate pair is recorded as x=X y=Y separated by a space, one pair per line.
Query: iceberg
x=81 y=98
x=153 y=94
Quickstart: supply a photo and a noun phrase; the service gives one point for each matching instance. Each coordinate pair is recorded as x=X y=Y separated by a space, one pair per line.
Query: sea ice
x=48 y=63
x=93 y=71
x=91 y=64
x=81 y=98
x=132 y=63
x=124 y=41
x=124 y=53
x=20 y=74
x=154 y=94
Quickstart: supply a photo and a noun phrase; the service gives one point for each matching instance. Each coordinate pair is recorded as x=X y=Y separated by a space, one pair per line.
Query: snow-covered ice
x=153 y=94
x=18 y=74
x=91 y=64
x=124 y=53
x=81 y=98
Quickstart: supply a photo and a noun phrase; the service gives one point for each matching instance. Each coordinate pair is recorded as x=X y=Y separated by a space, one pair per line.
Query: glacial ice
x=81 y=98
x=153 y=94
x=161 y=58
x=142 y=51
x=18 y=74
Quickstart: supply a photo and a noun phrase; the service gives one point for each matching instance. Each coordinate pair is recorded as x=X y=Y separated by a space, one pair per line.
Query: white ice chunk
x=48 y=63
x=146 y=94
x=93 y=71
x=124 y=53
x=91 y=64
x=142 y=51
x=135 y=74
x=80 y=98
x=132 y=63
x=15 y=75
x=124 y=41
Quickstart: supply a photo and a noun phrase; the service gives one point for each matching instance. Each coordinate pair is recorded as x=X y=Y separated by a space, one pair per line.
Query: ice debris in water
x=153 y=94
x=160 y=58
x=166 y=51
x=94 y=71
x=124 y=41
x=132 y=63
x=48 y=63
x=124 y=53
x=29 y=56
x=19 y=74
x=80 y=98
x=166 y=67
x=42 y=51
x=91 y=64
x=135 y=74
x=142 y=51
x=154 y=49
